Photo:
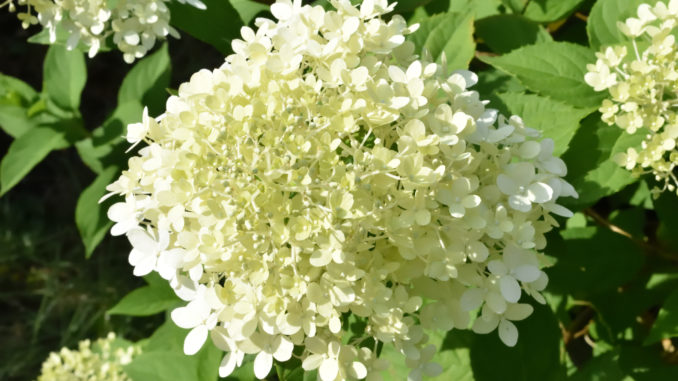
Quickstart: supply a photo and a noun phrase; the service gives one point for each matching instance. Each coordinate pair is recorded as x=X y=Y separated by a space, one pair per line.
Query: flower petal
x=262 y=365
x=195 y=339
x=510 y=289
x=508 y=333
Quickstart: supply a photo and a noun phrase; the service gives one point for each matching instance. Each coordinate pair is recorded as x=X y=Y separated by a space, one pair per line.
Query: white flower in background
x=101 y=360
x=322 y=170
x=134 y=24
x=643 y=91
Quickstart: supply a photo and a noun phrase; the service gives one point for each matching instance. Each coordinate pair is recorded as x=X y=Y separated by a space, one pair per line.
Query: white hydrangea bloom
x=643 y=91
x=325 y=170
x=101 y=360
x=134 y=24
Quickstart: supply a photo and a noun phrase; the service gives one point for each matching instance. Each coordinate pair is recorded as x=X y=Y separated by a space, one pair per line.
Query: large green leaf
x=536 y=356
x=147 y=80
x=492 y=82
x=90 y=215
x=449 y=34
x=619 y=309
x=604 y=367
x=217 y=25
x=553 y=69
x=550 y=10
x=163 y=359
x=25 y=153
x=602 y=23
x=248 y=9
x=595 y=174
x=597 y=258
x=409 y=5
x=492 y=30
x=556 y=120
x=64 y=76
x=480 y=8
x=666 y=325
x=147 y=300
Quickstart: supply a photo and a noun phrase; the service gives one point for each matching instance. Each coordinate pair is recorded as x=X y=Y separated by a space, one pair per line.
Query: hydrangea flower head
x=134 y=24
x=98 y=361
x=643 y=88
x=325 y=170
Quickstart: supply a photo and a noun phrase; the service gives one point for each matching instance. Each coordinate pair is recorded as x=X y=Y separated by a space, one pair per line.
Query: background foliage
x=612 y=301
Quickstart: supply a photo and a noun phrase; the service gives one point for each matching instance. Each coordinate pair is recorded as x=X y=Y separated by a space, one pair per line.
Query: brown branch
x=581 y=16
x=647 y=247
x=579 y=326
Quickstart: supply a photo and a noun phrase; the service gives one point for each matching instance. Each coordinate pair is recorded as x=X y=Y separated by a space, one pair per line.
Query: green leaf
x=25 y=153
x=553 y=69
x=106 y=145
x=620 y=308
x=604 y=367
x=480 y=8
x=597 y=258
x=666 y=325
x=163 y=359
x=492 y=82
x=602 y=23
x=145 y=301
x=538 y=112
x=450 y=34
x=550 y=10
x=595 y=174
x=217 y=25
x=146 y=81
x=172 y=366
x=64 y=76
x=536 y=356
x=492 y=30
x=454 y=355
x=90 y=215
x=14 y=120
x=248 y=9
x=666 y=206
x=404 y=6
x=516 y=6
x=10 y=85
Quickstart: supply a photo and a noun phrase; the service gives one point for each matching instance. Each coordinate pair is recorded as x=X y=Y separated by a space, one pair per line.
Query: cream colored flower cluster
x=134 y=24
x=324 y=174
x=98 y=361
x=643 y=87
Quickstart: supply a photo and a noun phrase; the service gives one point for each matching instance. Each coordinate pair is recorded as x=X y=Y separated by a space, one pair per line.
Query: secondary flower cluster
x=643 y=87
x=324 y=174
x=134 y=24
x=99 y=361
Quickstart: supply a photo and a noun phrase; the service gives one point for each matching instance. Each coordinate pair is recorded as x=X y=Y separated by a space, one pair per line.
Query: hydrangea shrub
x=324 y=170
x=359 y=189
